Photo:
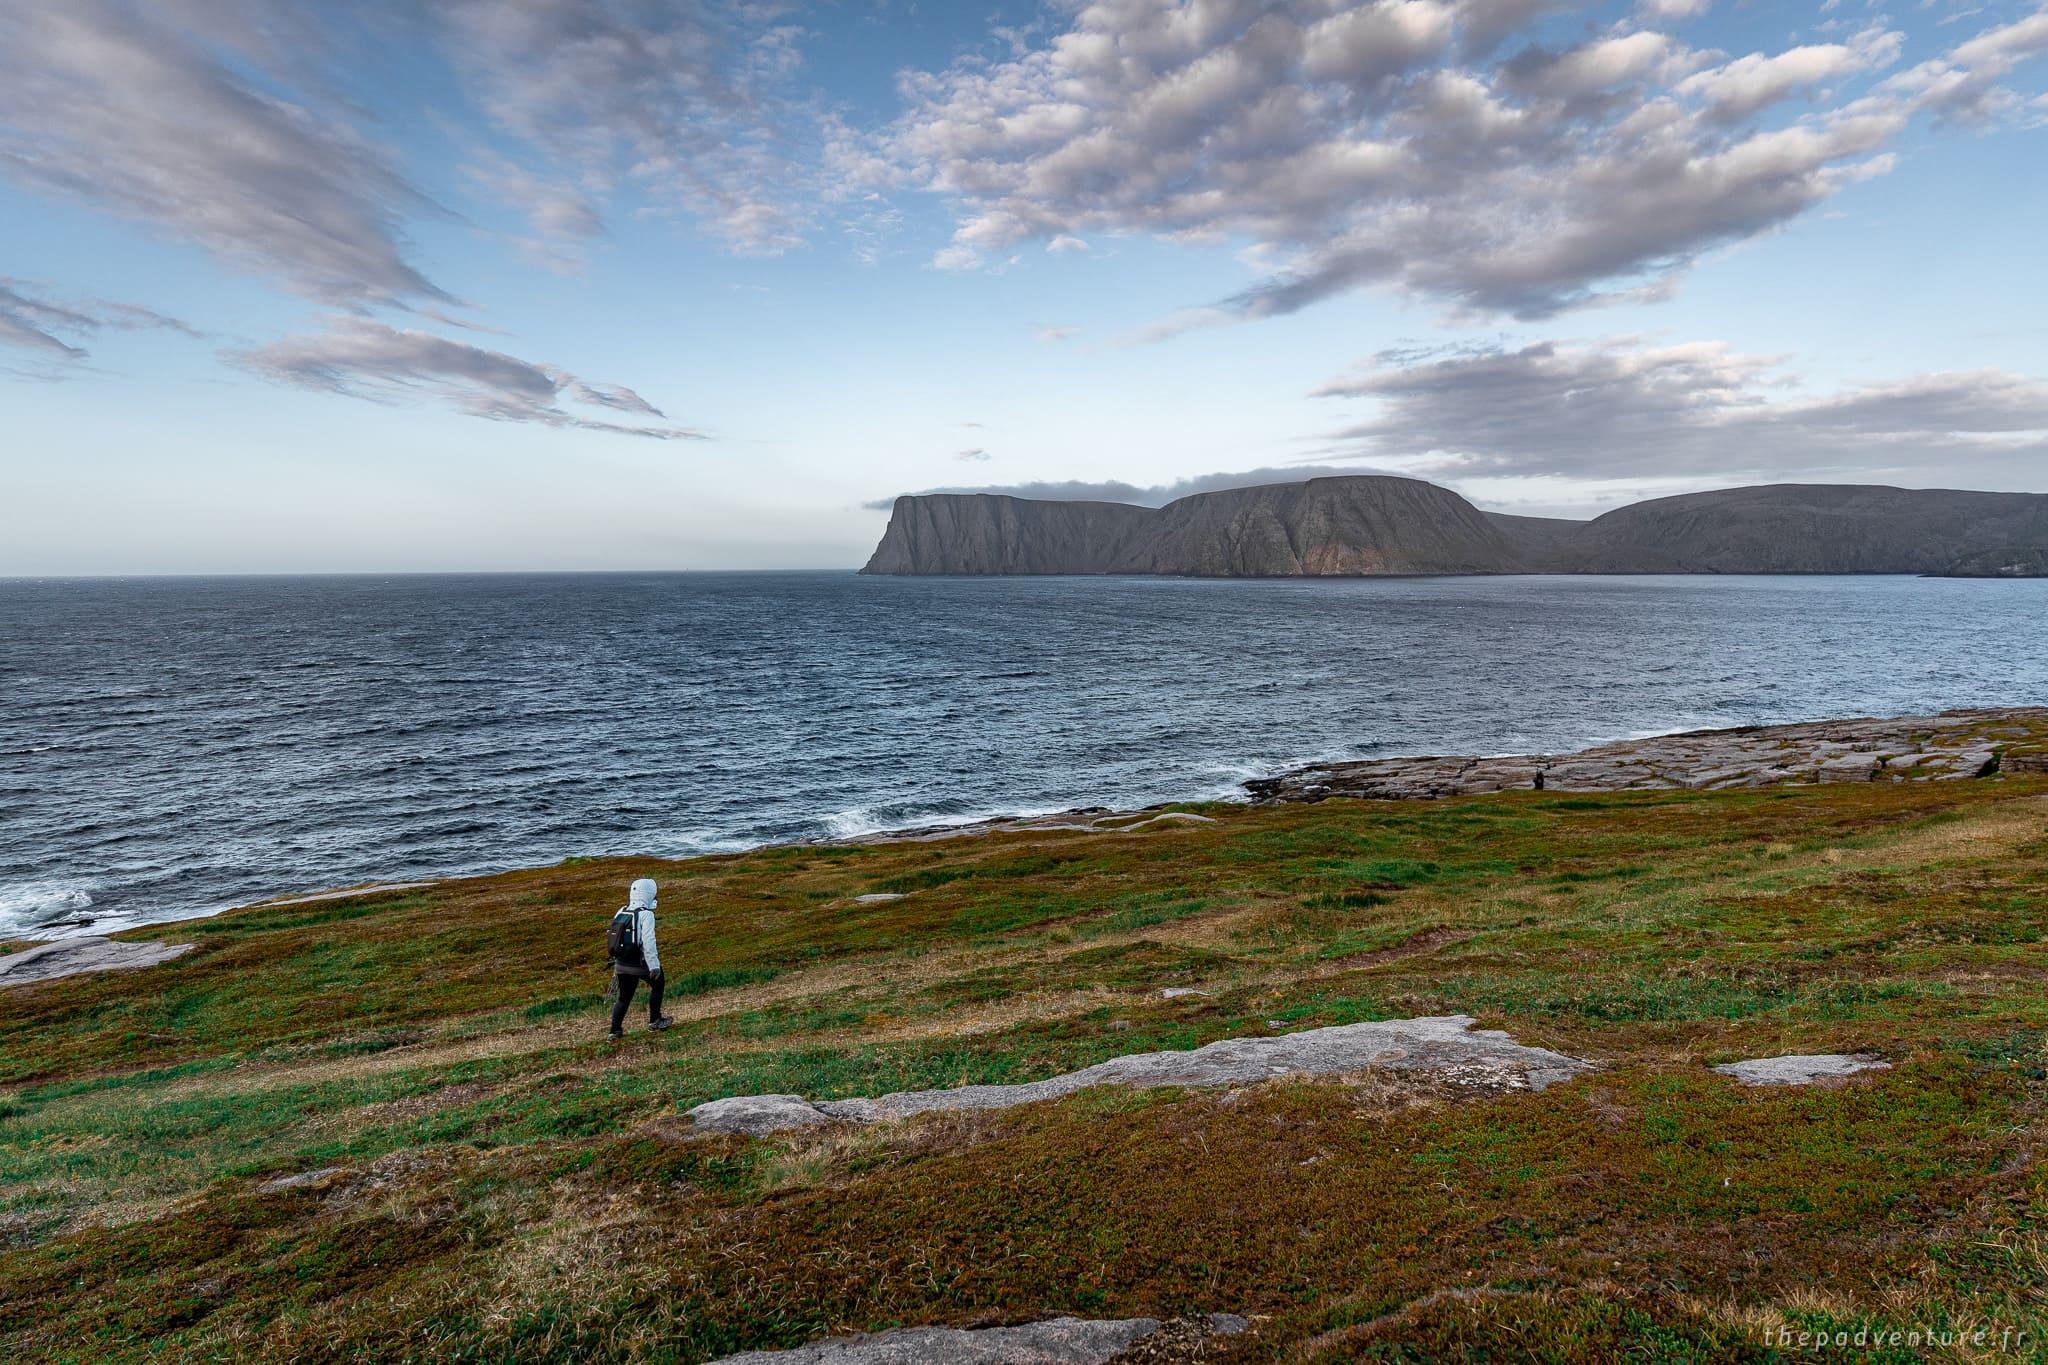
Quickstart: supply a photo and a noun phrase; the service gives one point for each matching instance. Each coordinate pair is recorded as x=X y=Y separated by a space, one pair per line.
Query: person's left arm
x=647 y=946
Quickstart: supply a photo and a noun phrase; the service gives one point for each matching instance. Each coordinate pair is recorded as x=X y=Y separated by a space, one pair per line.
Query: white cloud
x=1627 y=409
x=1374 y=142
x=1745 y=87
x=33 y=320
x=686 y=99
x=364 y=359
x=138 y=111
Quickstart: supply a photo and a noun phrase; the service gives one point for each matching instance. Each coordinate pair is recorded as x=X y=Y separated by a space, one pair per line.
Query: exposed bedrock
x=1802 y=1068
x=71 y=956
x=1446 y=1046
x=1954 y=744
x=1055 y=1341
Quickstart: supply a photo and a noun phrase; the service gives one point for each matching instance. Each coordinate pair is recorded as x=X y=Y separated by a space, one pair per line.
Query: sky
x=703 y=284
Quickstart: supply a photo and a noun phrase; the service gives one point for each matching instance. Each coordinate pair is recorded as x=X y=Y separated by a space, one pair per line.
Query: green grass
x=513 y=1187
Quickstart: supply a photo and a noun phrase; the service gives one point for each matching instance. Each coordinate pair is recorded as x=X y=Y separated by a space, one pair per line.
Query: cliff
x=1380 y=525
x=948 y=533
x=1321 y=527
x=1365 y=525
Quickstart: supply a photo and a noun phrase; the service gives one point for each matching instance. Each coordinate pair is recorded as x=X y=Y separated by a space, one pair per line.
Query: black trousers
x=626 y=986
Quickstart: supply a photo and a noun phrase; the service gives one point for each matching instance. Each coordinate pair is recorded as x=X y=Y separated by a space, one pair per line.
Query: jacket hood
x=642 y=895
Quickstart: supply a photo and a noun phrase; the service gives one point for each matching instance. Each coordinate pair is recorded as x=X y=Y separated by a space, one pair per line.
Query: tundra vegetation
x=389 y=1127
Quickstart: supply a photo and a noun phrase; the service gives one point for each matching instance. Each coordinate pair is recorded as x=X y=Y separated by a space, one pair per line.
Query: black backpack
x=622 y=941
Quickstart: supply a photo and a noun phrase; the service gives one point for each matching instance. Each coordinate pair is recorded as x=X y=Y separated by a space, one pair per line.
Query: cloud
x=685 y=99
x=617 y=397
x=1963 y=84
x=976 y=453
x=1054 y=335
x=235 y=125
x=1747 y=86
x=1625 y=408
x=1358 y=143
x=364 y=359
x=39 y=325
x=1155 y=495
x=30 y=320
x=138 y=110
x=563 y=220
x=1672 y=10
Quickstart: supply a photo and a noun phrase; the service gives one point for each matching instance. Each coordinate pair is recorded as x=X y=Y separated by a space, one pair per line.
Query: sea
x=175 y=746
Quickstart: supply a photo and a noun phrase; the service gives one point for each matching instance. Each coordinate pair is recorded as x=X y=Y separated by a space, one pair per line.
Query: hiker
x=634 y=955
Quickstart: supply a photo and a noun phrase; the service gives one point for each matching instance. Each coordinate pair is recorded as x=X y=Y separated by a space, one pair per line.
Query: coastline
x=1958 y=744
x=392 y=1097
x=1946 y=746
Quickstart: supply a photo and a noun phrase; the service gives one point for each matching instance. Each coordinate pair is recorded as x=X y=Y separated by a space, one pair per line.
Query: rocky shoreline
x=1948 y=746
x=1966 y=743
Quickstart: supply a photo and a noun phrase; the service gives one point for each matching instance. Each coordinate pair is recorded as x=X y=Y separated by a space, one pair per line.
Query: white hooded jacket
x=641 y=899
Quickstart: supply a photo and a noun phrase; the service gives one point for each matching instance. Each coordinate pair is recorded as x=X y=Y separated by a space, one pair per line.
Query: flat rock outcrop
x=341 y=893
x=1445 y=1046
x=71 y=956
x=1376 y=524
x=1802 y=1068
x=1055 y=1341
x=1954 y=744
x=760 y=1115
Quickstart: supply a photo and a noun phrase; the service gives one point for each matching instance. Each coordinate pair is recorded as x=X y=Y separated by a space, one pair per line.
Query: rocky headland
x=1373 y=525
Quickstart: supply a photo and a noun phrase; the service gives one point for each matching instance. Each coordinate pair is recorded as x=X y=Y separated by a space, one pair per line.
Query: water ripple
x=175 y=745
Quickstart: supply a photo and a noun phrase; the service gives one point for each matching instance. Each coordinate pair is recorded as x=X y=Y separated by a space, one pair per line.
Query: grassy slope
x=514 y=1187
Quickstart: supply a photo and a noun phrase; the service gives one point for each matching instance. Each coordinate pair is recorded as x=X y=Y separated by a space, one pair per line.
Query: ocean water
x=175 y=746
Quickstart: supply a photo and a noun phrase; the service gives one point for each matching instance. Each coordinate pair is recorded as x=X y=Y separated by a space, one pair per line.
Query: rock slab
x=1802 y=1069
x=299 y=1180
x=1954 y=744
x=341 y=893
x=1443 y=1045
x=759 y=1115
x=72 y=956
x=1055 y=1341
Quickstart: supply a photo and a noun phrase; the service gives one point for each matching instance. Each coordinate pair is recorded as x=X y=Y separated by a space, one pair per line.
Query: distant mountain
x=975 y=533
x=1811 y=528
x=1374 y=524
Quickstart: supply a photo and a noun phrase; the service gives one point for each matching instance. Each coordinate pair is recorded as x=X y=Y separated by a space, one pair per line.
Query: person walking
x=635 y=957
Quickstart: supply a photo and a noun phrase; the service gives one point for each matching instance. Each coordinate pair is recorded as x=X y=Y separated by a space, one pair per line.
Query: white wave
x=859 y=821
x=29 y=906
x=695 y=841
x=849 y=824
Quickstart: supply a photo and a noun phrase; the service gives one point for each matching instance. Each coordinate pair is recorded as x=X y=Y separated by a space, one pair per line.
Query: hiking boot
x=618 y=1035
x=657 y=1025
